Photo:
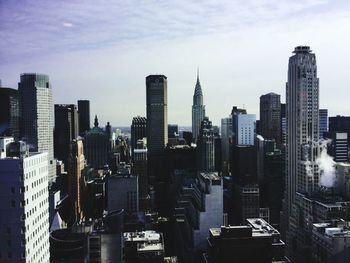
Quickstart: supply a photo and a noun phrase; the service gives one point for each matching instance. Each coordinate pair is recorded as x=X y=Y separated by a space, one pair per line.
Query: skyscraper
x=270 y=116
x=226 y=137
x=302 y=132
x=198 y=109
x=9 y=112
x=37 y=125
x=138 y=131
x=206 y=147
x=84 y=116
x=157 y=120
x=66 y=129
x=244 y=129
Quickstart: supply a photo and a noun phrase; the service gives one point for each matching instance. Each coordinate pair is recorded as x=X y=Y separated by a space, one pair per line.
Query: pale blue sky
x=102 y=51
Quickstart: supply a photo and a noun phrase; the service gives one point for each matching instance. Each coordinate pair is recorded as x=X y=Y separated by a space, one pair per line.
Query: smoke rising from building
x=326 y=166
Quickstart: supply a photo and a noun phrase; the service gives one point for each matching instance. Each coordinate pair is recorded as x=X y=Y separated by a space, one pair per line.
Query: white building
x=245 y=129
x=4 y=141
x=24 y=207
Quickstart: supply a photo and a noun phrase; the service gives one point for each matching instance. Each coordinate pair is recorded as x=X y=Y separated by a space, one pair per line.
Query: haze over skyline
x=103 y=50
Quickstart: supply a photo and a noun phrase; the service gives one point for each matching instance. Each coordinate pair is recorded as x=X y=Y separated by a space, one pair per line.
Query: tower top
x=198 y=88
x=302 y=49
x=96 y=121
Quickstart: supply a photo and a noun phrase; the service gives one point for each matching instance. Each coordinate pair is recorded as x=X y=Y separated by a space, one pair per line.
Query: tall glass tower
x=37 y=122
x=198 y=110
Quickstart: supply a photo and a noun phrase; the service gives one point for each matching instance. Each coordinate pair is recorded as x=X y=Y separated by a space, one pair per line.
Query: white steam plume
x=326 y=166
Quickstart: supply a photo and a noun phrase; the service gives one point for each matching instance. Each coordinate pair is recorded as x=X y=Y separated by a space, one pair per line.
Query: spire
x=96 y=121
x=198 y=88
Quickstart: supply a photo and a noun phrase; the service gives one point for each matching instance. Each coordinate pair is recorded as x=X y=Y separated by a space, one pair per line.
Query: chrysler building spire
x=198 y=109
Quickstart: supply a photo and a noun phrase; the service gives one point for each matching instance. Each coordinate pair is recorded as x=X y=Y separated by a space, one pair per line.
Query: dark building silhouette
x=9 y=113
x=84 y=116
x=66 y=129
x=187 y=135
x=138 y=131
x=157 y=123
x=173 y=130
x=270 y=117
x=256 y=241
x=96 y=147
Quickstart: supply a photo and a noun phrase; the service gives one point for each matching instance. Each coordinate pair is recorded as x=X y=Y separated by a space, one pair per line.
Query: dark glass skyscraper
x=66 y=129
x=84 y=116
x=270 y=116
x=37 y=116
x=9 y=112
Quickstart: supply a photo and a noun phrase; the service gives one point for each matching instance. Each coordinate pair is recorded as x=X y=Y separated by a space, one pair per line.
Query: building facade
x=37 y=116
x=270 y=117
x=323 y=119
x=84 y=116
x=206 y=147
x=9 y=113
x=138 y=131
x=24 y=204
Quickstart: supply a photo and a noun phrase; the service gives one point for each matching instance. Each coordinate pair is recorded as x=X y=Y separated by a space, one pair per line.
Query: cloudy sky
x=102 y=50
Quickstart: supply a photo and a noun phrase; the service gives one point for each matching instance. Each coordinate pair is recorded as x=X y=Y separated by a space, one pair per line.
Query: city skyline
x=141 y=39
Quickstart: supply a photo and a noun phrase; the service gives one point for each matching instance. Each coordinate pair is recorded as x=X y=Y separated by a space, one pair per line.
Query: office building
x=37 y=115
x=303 y=134
x=123 y=193
x=24 y=206
x=339 y=124
x=9 y=112
x=270 y=117
x=66 y=129
x=283 y=124
x=84 y=116
x=243 y=129
x=138 y=132
x=157 y=124
x=226 y=138
x=76 y=166
x=331 y=242
x=96 y=147
x=198 y=110
x=206 y=147
x=323 y=125
x=255 y=241
x=139 y=168
x=340 y=147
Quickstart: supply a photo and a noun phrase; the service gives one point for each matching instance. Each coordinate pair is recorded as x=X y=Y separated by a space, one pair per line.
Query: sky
x=102 y=50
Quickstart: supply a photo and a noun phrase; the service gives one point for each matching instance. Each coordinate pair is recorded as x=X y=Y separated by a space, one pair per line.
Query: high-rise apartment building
x=24 y=206
x=270 y=116
x=9 y=112
x=206 y=147
x=37 y=116
x=66 y=129
x=323 y=119
x=157 y=121
x=84 y=116
x=198 y=110
x=303 y=134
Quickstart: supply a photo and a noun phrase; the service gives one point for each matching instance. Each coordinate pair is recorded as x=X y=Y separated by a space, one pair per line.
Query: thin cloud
x=67 y=24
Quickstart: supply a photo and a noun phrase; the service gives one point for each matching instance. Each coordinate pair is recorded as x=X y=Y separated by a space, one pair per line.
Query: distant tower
x=37 y=126
x=84 y=116
x=270 y=117
x=9 y=112
x=157 y=120
x=198 y=109
x=66 y=129
x=206 y=147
